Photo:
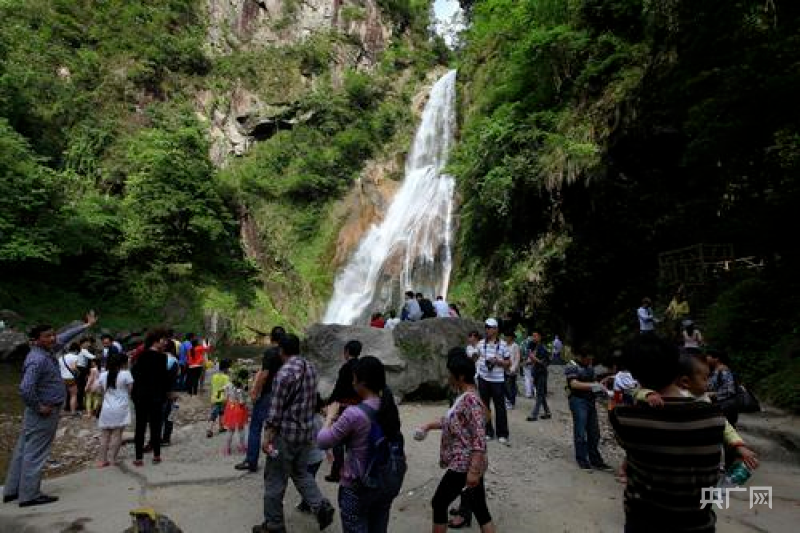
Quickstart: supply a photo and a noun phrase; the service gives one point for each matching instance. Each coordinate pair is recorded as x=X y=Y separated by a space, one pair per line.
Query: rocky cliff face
x=243 y=24
x=242 y=116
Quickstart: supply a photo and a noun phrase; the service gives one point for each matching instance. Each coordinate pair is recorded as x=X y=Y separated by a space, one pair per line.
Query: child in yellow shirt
x=219 y=393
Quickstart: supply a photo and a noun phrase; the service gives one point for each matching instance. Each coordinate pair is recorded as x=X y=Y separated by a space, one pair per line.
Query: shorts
x=216 y=410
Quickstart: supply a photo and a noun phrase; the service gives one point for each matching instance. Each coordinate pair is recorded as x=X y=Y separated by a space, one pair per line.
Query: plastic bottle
x=738 y=474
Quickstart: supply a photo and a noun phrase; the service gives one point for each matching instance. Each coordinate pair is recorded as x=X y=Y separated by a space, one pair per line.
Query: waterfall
x=410 y=248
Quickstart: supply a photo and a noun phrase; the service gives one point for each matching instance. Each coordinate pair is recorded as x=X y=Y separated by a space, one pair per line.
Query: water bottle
x=738 y=473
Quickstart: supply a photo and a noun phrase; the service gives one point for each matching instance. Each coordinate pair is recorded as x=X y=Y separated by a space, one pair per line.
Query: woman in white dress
x=115 y=384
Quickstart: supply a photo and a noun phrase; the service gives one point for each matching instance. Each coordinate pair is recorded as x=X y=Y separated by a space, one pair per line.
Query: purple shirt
x=41 y=376
x=352 y=429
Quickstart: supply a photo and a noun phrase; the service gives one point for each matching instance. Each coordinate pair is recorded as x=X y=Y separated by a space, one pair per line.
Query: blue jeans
x=586 y=431
x=260 y=409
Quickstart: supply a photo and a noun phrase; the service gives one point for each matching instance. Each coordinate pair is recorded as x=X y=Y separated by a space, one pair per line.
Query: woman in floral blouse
x=463 y=447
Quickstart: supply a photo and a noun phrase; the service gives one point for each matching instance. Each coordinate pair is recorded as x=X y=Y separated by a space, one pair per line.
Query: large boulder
x=414 y=353
x=13 y=344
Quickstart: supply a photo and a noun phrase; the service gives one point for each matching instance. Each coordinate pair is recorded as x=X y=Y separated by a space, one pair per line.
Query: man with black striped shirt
x=673 y=452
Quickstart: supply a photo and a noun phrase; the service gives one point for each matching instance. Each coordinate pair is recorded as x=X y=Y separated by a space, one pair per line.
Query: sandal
x=138 y=462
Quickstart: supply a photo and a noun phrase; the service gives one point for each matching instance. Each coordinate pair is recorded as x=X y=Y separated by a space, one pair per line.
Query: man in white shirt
x=442 y=309
x=493 y=360
x=647 y=322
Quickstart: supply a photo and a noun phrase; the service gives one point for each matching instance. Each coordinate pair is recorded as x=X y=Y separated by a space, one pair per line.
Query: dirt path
x=533 y=485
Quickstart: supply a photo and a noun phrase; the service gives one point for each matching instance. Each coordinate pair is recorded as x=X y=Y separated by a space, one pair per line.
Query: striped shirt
x=294 y=397
x=492 y=351
x=673 y=452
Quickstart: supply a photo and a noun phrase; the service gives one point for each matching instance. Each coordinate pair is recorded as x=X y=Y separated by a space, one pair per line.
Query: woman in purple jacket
x=362 y=510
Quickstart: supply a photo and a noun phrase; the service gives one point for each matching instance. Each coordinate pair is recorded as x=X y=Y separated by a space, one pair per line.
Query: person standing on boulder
x=493 y=359
x=289 y=439
x=343 y=396
x=43 y=393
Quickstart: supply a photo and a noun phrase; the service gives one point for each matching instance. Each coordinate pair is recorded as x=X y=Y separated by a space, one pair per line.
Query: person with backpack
x=375 y=464
x=463 y=449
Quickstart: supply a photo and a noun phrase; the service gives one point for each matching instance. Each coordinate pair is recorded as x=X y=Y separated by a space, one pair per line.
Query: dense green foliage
x=108 y=196
x=599 y=133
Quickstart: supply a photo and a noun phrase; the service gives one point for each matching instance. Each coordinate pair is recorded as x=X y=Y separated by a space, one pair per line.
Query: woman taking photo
x=463 y=448
x=363 y=510
x=150 y=385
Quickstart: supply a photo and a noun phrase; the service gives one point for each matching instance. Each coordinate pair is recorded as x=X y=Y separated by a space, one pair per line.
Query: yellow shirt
x=678 y=310
x=219 y=381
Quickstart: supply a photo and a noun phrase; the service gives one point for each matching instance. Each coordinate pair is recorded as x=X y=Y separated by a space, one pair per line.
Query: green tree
x=172 y=212
x=30 y=202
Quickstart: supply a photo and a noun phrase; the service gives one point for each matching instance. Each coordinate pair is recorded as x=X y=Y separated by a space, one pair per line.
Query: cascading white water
x=410 y=248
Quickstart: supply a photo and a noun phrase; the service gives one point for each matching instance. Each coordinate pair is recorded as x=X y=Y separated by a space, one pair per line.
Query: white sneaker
x=503 y=441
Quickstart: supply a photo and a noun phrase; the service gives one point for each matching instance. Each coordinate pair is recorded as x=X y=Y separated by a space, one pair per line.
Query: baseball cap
x=491 y=322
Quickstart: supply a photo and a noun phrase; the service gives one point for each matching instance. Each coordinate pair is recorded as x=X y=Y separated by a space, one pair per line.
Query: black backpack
x=386 y=461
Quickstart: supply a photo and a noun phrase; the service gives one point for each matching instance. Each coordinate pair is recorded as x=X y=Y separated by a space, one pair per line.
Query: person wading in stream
x=43 y=393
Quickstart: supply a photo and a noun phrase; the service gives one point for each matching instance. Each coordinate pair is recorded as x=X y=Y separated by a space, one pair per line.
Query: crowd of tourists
x=416 y=307
x=673 y=407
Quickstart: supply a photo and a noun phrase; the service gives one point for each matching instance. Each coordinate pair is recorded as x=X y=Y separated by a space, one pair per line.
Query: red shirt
x=378 y=323
x=197 y=356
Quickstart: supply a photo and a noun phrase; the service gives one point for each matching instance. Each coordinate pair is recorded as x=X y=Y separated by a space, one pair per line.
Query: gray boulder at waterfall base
x=13 y=344
x=414 y=353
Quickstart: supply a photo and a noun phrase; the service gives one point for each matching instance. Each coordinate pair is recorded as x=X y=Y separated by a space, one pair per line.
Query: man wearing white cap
x=493 y=359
